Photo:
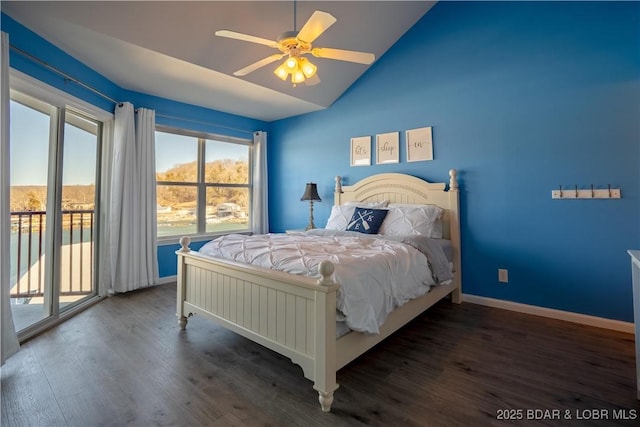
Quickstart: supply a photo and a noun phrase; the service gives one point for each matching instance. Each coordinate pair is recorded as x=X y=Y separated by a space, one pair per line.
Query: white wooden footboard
x=296 y=315
x=292 y=315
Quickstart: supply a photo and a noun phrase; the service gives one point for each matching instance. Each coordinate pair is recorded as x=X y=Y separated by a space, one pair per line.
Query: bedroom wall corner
x=522 y=97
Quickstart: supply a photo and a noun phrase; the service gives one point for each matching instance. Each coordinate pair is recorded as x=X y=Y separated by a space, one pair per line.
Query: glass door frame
x=61 y=102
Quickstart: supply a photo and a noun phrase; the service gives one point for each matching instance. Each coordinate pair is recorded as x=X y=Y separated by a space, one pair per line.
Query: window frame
x=201 y=185
x=35 y=94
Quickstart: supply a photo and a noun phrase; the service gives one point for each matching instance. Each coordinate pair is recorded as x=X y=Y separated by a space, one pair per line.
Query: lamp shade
x=308 y=68
x=311 y=192
x=297 y=76
x=282 y=72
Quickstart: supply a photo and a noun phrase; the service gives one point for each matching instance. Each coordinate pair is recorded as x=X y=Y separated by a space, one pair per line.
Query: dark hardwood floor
x=125 y=362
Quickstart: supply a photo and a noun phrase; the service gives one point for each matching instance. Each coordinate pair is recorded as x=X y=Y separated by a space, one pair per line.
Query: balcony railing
x=28 y=252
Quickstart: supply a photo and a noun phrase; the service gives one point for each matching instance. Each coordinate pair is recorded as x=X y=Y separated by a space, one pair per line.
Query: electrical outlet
x=503 y=275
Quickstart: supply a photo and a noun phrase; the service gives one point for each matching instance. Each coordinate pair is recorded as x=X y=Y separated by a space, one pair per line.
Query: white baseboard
x=167 y=279
x=584 y=319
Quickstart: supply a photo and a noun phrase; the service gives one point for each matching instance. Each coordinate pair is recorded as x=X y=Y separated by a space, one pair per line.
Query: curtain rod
x=62 y=73
x=97 y=92
x=184 y=119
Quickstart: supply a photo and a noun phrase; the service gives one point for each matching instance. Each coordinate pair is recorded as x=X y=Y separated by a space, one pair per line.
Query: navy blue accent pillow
x=367 y=220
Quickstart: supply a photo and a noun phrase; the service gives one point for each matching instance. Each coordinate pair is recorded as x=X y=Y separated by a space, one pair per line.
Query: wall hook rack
x=586 y=193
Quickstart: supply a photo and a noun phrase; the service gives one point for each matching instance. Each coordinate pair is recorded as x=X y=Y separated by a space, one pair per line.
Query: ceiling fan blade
x=315 y=26
x=266 y=61
x=246 y=38
x=313 y=80
x=343 y=55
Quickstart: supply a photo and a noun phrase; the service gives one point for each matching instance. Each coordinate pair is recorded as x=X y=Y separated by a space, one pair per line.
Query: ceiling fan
x=294 y=45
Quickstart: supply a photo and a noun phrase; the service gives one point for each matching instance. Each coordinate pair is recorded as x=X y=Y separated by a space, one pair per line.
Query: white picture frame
x=361 y=151
x=388 y=148
x=419 y=144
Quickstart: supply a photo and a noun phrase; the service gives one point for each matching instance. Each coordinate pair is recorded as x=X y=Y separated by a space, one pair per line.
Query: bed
x=295 y=315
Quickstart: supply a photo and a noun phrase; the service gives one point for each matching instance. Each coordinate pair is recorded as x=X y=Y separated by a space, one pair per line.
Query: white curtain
x=146 y=162
x=260 y=214
x=129 y=202
x=104 y=230
x=9 y=343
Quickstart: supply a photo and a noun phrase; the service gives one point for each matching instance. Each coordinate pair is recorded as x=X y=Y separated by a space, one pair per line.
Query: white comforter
x=376 y=275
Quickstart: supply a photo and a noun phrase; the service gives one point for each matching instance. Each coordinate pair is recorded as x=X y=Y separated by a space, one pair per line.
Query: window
x=203 y=183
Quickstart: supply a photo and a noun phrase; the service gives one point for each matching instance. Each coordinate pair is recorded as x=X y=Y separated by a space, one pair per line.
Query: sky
x=167 y=154
x=30 y=150
x=30 y=142
x=172 y=150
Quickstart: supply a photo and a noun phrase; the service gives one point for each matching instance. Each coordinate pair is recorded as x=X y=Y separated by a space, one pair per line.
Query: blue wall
x=522 y=97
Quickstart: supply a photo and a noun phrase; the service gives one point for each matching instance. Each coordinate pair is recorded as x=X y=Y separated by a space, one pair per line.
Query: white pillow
x=373 y=205
x=437 y=231
x=405 y=220
x=340 y=217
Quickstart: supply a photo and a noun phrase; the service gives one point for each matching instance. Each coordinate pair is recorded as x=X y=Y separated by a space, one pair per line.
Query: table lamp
x=310 y=194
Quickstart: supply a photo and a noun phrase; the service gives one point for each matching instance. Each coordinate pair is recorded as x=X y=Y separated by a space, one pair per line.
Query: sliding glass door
x=54 y=158
x=77 y=208
x=31 y=123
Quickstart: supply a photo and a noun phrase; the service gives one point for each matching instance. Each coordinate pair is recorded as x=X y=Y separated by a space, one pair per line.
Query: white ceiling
x=168 y=48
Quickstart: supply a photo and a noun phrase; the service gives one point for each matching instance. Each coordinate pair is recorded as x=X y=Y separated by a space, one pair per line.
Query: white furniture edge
x=583 y=319
x=635 y=283
x=296 y=315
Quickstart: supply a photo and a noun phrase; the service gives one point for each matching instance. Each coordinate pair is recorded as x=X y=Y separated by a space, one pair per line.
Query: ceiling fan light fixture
x=297 y=76
x=291 y=64
x=281 y=72
x=299 y=68
x=308 y=68
x=294 y=44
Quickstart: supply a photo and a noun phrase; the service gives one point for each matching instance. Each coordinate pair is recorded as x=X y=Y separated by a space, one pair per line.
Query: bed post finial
x=184 y=242
x=326 y=271
x=338 y=184
x=453 y=181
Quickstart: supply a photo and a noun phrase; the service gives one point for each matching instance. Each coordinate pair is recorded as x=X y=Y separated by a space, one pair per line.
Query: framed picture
x=388 y=148
x=419 y=145
x=361 y=151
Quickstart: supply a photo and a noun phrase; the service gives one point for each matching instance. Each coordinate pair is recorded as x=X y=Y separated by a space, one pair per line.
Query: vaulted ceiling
x=169 y=49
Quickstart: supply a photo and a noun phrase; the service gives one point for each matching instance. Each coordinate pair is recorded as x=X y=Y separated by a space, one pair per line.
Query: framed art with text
x=419 y=144
x=361 y=151
x=388 y=148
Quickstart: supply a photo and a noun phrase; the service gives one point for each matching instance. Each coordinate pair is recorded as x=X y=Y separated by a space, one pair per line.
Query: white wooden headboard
x=402 y=188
